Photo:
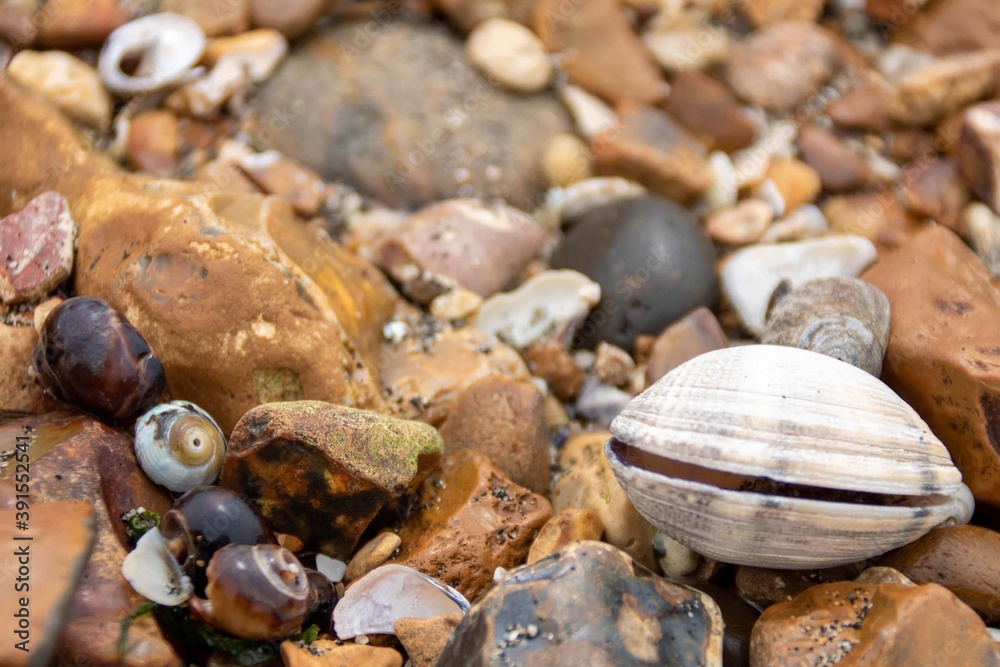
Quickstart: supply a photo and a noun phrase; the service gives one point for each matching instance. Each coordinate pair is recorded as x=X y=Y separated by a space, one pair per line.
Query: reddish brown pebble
x=153 y=142
x=555 y=365
x=504 y=419
x=709 y=111
x=696 y=333
x=840 y=169
x=963 y=559
x=36 y=248
x=942 y=356
x=570 y=525
x=935 y=189
x=648 y=146
x=601 y=52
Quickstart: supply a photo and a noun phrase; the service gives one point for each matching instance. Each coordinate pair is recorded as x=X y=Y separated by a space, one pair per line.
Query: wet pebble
x=424 y=638
x=568 y=526
x=652 y=260
x=544 y=613
x=372 y=553
x=696 y=333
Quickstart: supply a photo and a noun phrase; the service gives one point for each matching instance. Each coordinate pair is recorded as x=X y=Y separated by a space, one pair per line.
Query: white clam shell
x=783 y=416
x=162 y=463
x=373 y=603
x=154 y=573
x=170 y=46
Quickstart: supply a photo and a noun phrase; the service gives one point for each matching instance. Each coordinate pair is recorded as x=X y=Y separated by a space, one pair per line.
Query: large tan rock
x=241 y=302
x=79 y=459
x=890 y=625
x=943 y=357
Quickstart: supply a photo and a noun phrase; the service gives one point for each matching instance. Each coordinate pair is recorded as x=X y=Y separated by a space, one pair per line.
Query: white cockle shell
x=781 y=457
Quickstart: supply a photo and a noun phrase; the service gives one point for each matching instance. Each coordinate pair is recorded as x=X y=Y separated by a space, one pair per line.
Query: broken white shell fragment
x=373 y=603
x=168 y=47
x=546 y=307
x=780 y=457
x=331 y=568
x=154 y=573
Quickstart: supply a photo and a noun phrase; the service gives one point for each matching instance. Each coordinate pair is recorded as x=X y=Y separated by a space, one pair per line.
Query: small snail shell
x=843 y=318
x=204 y=520
x=89 y=355
x=257 y=592
x=179 y=446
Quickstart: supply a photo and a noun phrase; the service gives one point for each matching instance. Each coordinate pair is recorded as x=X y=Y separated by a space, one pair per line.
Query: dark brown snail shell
x=204 y=520
x=91 y=357
x=257 y=592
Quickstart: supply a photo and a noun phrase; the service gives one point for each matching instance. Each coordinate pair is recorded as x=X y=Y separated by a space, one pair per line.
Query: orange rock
x=696 y=333
x=570 y=525
x=839 y=168
x=62 y=534
x=423 y=638
x=472 y=520
x=889 y=625
x=504 y=419
x=963 y=559
x=706 y=108
x=601 y=52
x=647 y=146
x=943 y=357
x=555 y=365
x=796 y=181
x=331 y=653
x=153 y=142
x=242 y=303
x=78 y=458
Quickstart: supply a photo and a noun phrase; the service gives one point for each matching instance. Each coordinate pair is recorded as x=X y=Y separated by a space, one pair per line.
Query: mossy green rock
x=322 y=472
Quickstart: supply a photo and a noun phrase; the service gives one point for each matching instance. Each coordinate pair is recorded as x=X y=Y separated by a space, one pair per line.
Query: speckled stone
x=472 y=520
x=890 y=625
x=36 y=245
x=322 y=472
x=653 y=262
x=589 y=604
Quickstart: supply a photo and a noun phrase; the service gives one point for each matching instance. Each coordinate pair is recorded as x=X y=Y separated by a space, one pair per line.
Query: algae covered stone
x=322 y=472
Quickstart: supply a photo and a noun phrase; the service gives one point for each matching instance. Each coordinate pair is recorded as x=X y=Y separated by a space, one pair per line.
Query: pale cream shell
x=792 y=416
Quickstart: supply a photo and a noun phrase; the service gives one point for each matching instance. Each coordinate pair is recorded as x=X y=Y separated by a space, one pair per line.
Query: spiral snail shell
x=843 y=318
x=179 y=446
x=257 y=592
